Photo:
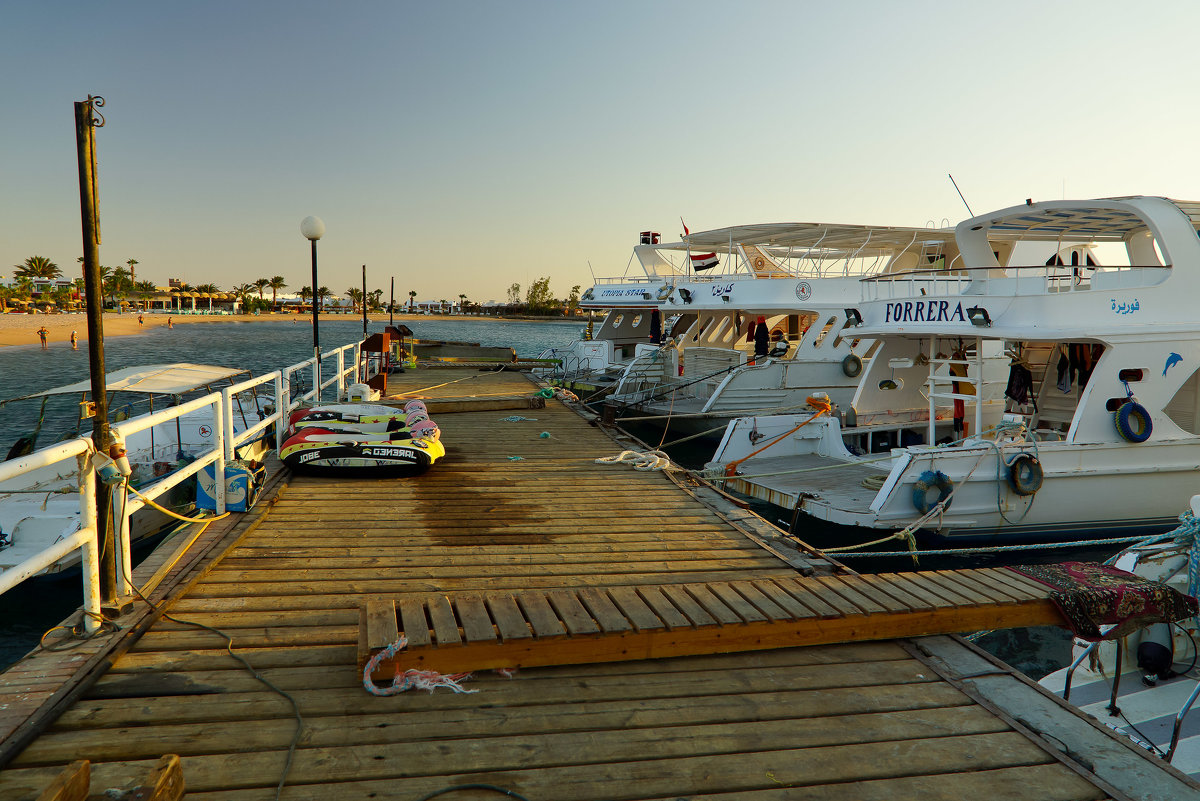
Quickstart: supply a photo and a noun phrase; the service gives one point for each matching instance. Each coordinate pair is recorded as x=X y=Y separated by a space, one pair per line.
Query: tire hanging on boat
x=1025 y=474
x=1133 y=422
x=852 y=366
x=927 y=481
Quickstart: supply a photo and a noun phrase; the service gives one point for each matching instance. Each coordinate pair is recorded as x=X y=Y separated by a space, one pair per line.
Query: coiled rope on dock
x=428 y=680
x=641 y=460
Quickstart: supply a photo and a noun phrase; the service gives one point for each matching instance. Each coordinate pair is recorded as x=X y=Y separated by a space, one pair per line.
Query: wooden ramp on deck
x=462 y=632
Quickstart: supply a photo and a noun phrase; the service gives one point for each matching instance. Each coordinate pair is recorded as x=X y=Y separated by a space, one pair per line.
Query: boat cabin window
x=637 y=320
x=1131 y=374
x=824 y=330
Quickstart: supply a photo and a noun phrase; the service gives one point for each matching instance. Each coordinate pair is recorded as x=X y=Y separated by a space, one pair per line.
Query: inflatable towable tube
x=319 y=450
x=366 y=417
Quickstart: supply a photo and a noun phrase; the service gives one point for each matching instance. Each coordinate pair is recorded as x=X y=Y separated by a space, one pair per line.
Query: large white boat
x=42 y=506
x=630 y=308
x=1090 y=428
x=763 y=325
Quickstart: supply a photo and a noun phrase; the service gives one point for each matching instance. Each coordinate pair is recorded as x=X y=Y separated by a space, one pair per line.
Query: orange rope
x=822 y=406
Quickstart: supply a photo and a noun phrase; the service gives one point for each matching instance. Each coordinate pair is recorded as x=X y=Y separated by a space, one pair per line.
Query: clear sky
x=460 y=147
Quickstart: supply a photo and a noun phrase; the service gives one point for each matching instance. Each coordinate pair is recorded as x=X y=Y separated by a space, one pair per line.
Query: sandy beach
x=21 y=329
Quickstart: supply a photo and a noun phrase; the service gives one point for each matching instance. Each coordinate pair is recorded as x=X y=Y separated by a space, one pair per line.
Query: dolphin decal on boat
x=1172 y=360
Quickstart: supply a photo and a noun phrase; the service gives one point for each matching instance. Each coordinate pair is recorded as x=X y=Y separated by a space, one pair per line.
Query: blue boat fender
x=1133 y=422
x=927 y=481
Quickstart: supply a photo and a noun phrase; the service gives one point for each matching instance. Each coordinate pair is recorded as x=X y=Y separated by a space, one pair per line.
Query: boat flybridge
x=789 y=283
x=630 y=307
x=1089 y=429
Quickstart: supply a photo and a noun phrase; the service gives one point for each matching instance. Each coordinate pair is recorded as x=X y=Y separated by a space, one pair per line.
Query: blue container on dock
x=242 y=486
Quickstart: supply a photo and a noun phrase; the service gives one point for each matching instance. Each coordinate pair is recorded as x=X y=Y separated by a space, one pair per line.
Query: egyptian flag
x=704 y=261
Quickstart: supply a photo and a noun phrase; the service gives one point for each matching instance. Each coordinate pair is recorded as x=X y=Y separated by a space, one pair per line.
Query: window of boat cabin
x=824 y=330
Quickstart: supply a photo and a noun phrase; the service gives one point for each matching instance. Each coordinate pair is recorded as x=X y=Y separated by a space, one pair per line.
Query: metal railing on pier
x=223 y=405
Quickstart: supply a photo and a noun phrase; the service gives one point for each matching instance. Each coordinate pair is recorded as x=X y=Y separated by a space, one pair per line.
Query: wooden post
x=85 y=125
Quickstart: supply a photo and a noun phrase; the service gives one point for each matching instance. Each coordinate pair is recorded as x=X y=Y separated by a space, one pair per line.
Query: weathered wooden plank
x=875 y=590
x=445 y=624
x=887 y=582
x=661 y=607
x=414 y=623
x=212 y=736
x=760 y=601
x=509 y=620
x=541 y=617
x=833 y=584
x=572 y=612
x=602 y=609
x=476 y=622
x=381 y=623
x=734 y=600
x=635 y=609
x=712 y=604
x=687 y=605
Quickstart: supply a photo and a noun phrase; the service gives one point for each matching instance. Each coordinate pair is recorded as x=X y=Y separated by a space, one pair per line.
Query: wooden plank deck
x=859 y=720
x=569 y=627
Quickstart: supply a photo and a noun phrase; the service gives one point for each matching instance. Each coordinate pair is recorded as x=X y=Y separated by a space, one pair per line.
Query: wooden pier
x=519 y=508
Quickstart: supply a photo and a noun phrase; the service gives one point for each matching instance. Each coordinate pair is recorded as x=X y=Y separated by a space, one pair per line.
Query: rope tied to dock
x=648 y=460
x=516 y=418
x=428 y=680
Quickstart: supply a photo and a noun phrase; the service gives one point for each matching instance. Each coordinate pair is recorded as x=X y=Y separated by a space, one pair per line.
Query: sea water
x=259 y=346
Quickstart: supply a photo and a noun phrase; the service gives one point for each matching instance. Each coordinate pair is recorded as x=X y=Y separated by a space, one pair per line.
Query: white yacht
x=1050 y=400
x=630 y=308
x=789 y=283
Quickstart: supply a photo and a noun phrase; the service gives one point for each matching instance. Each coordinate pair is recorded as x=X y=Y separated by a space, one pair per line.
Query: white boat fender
x=1156 y=653
x=1025 y=474
x=927 y=481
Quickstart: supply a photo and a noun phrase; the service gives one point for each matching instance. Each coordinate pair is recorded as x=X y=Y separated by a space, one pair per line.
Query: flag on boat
x=704 y=261
x=686 y=232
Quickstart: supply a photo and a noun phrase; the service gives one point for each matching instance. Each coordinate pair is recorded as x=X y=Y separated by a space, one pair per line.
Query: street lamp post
x=313 y=229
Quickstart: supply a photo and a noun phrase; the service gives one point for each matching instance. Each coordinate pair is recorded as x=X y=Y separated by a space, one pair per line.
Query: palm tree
x=243 y=294
x=276 y=283
x=462 y=304
x=356 y=296
x=323 y=294
x=442 y=305
x=117 y=283
x=260 y=285
x=376 y=303
x=412 y=298
x=132 y=275
x=37 y=267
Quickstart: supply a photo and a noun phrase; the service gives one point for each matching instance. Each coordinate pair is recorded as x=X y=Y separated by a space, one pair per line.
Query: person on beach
x=74 y=340
x=141 y=320
x=170 y=322
x=43 y=333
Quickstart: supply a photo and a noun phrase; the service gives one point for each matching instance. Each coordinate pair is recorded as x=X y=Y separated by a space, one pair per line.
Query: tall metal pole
x=364 y=301
x=316 y=334
x=392 y=302
x=85 y=124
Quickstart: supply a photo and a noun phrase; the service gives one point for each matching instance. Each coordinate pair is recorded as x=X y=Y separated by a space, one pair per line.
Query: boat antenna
x=960 y=194
x=590 y=270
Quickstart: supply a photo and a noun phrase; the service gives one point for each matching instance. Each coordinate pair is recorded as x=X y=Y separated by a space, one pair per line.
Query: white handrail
x=222 y=450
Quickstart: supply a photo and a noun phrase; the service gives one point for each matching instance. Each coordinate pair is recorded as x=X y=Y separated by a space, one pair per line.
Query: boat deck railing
x=1012 y=280
x=81 y=449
